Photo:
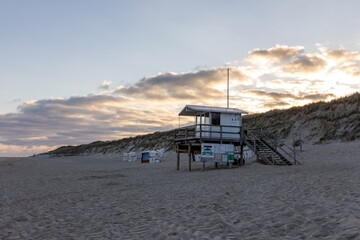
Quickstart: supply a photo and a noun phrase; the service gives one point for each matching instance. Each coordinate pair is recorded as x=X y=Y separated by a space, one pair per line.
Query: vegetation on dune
x=317 y=122
x=338 y=120
x=155 y=140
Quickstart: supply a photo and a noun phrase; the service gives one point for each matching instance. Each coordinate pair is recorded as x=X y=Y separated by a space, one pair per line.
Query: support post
x=203 y=166
x=189 y=155
x=242 y=140
x=178 y=157
x=242 y=154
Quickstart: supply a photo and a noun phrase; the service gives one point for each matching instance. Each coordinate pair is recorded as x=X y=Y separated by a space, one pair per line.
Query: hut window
x=203 y=119
x=206 y=119
x=215 y=119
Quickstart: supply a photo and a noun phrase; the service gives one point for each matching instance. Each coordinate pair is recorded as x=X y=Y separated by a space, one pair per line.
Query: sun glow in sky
x=73 y=72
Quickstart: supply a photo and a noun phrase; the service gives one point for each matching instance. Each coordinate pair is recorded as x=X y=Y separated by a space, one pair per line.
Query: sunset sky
x=74 y=72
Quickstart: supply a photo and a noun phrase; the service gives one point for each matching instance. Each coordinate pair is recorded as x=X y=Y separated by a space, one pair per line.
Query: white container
x=132 y=156
x=125 y=157
x=152 y=154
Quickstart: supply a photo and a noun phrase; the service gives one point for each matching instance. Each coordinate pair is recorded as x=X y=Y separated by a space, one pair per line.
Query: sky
x=74 y=72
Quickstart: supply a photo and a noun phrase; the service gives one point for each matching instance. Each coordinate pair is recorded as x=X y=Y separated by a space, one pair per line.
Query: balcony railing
x=208 y=132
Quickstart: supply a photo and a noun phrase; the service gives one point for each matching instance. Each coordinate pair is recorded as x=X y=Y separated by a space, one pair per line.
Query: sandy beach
x=102 y=197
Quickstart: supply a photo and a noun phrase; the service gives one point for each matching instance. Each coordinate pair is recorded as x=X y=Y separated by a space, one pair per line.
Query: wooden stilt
x=189 y=154
x=242 y=155
x=178 y=158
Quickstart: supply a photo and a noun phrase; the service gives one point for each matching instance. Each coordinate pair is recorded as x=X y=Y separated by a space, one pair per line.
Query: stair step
x=267 y=152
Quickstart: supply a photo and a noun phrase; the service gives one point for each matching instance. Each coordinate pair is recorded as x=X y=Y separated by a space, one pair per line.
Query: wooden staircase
x=267 y=148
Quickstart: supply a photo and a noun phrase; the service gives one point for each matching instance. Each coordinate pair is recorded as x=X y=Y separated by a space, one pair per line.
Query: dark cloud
x=317 y=96
x=278 y=96
x=194 y=85
x=77 y=120
x=273 y=95
x=277 y=104
x=305 y=64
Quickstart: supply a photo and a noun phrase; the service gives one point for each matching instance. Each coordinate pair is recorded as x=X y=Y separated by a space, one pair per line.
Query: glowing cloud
x=277 y=54
x=305 y=64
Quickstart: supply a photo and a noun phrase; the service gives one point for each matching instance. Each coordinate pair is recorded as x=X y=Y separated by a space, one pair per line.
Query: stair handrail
x=252 y=136
x=294 y=156
x=274 y=142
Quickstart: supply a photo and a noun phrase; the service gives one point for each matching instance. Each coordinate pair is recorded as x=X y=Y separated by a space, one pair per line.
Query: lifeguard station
x=213 y=138
x=218 y=135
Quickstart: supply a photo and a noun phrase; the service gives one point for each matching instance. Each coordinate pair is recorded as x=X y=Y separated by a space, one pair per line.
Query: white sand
x=104 y=198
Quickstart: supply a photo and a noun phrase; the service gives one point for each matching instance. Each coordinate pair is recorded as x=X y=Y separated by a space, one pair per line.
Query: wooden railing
x=207 y=131
x=276 y=143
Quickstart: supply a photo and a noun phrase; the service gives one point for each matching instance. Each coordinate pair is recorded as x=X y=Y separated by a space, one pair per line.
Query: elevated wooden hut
x=215 y=134
x=218 y=134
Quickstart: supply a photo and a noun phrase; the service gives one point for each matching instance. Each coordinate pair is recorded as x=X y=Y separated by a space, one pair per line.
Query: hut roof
x=193 y=110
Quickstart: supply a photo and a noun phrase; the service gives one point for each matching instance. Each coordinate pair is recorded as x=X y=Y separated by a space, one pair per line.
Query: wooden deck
x=189 y=139
x=267 y=148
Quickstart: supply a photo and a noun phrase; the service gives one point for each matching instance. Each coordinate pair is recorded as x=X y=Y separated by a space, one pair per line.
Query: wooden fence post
x=189 y=155
x=178 y=157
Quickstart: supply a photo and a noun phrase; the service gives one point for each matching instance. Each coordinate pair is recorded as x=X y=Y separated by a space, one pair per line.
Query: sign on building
x=214 y=152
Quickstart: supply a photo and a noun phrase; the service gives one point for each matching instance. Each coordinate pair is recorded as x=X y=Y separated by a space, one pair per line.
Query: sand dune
x=102 y=197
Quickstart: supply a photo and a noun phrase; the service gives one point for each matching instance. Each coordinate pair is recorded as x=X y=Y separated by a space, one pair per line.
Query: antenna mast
x=228 y=87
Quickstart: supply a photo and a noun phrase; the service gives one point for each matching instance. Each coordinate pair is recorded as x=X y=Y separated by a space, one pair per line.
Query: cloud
x=18 y=100
x=351 y=68
x=278 y=53
x=285 y=95
x=345 y=61
x=75 y=120
x=341 y=54
x=273 y=95
x=305 y=64
x=105 y=85
x=15 y=150
x=275 y=105
x=197 y=85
